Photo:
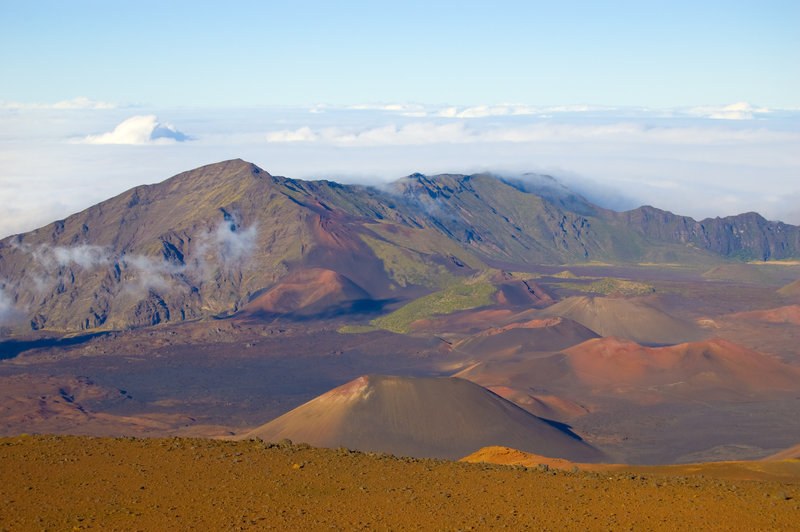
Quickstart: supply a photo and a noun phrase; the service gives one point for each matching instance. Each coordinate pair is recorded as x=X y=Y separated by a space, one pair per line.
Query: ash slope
x=423 y=417
x=206 y=242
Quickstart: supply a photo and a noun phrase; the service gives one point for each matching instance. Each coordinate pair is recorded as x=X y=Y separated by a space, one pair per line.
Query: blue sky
x=177 y=53
x=690 y=106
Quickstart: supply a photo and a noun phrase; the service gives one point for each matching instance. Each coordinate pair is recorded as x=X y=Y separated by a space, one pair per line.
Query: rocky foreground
x=68 y=482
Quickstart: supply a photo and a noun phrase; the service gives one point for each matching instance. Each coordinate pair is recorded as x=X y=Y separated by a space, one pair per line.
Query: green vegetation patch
x=426 y=241
x=611 y=286
x=356 y=329
x=456 y=297
x=407 y=267
x=566 y=274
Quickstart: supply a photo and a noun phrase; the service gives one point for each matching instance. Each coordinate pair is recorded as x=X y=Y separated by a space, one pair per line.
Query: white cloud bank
x=139 y=130
x=429 y=132
x=735 y=111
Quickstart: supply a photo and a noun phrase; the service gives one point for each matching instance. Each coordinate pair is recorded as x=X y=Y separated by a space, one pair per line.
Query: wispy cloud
x=83 y=255
x=8 y=313
x=143 y=273
x=139 y=130
x=482 y=111
x=140 y=273
x=403 y=109
x=736 y=111
x=75 y=103
x=303 y=134
x=228 y=241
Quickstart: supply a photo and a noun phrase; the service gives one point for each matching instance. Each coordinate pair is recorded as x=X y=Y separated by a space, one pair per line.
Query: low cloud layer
x=431 y=132
x=139 y=130
x=702 y=161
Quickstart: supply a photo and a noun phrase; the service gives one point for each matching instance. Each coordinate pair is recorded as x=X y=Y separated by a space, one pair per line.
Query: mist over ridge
x=204 y=242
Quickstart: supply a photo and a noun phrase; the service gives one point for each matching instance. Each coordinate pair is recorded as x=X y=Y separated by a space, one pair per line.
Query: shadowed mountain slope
x=424 y=417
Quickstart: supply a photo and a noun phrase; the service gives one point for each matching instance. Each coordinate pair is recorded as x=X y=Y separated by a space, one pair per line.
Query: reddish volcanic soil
x=792 y=453
x=546 y=406
x=787 y=314
x=314 y=288
x=612 y=367
x=704 y=368
x=772 y=469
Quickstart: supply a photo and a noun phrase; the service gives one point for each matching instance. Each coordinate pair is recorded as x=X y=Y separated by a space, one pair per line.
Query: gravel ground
x=73 y=483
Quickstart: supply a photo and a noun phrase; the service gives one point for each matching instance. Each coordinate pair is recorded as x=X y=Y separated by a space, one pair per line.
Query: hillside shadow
x=357 y=308
x=563 y=427
x=12 y=348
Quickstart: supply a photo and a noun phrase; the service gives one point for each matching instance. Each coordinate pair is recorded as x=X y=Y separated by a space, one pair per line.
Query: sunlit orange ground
x=67 y=483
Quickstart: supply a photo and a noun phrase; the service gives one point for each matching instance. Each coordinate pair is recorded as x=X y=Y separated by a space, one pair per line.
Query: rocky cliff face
x=746 y=236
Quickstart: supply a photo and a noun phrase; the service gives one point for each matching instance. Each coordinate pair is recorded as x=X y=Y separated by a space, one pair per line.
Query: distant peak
x=233 y=170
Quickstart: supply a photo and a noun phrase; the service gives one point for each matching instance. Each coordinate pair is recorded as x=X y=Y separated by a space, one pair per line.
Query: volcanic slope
x=308 y=292
x=792 y=453
x=425 y=417
x=709 y=370
x=549 y=334
x=712 y=369
x=636 y=319
x=791 y=290
x=788 y=314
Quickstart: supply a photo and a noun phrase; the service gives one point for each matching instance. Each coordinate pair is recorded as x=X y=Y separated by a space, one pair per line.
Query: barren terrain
x=226 y=303
x=75 y=483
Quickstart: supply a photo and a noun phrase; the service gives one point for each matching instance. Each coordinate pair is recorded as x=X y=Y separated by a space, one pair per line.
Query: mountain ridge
x=204 y=242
